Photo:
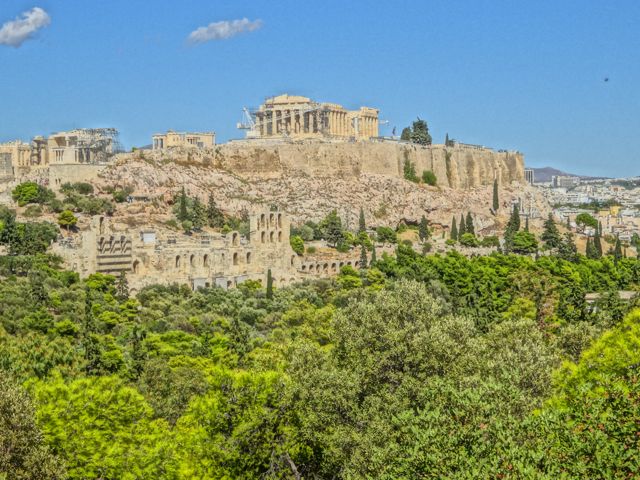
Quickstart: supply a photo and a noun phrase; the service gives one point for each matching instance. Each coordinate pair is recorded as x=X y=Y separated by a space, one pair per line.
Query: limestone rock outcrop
x=458 y=167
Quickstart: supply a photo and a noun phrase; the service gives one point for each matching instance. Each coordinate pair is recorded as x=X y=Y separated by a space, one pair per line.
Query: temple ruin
x=300 y=117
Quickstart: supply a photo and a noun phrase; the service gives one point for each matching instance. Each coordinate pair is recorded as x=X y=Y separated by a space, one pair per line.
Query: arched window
x=280 y=236
x=177 y=261
x=293 y=260
x=235 y=258
x=136 y=267
x=279 y=220
x=235 y=240
x=271 y=237
x=205 y=260
x=248 y=257
x=192 y=260
x=263 y=236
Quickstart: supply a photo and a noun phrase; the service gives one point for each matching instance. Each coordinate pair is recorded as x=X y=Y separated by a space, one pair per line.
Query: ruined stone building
x=13 y=155
x=86 y=145
x=152 y=256
x=173 y=139
x=300 y=117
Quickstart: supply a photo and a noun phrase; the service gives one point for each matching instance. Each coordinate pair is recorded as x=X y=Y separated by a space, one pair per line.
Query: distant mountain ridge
x=544 y=174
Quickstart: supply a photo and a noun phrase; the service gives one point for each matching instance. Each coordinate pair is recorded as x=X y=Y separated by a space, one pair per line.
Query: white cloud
x=16 y=32
x=223 y=30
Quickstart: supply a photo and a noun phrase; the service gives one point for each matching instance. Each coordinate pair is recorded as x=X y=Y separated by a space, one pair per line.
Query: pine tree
x=496 y=200
x=122 y=287
x=423 y=229
x=198 y=215
x=183 y=214
x=454 y=230
x=269 y=285
x=362 y=225
x=551 y=235
x=469 y=224
x=363 y=257
x=462 y=228
x=215 y=217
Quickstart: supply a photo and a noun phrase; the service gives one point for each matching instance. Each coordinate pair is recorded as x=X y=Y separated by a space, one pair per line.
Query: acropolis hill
x=300 y=158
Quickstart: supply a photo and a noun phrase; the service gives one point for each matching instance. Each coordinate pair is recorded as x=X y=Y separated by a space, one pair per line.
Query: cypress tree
x=617 y=251
x=462 y=229
x=362 y=226
x=183 y=214
x=198 y=214
x=373 y=256
x=363 y=258
x=526 y=223
x=122 y=287
x=454 y=230
x=597 y=242
x=469 y=224
x=590 y=251
x=496 y=200
x=423 y=229
x=269 y=285
x=215 y=217
x=515 y=218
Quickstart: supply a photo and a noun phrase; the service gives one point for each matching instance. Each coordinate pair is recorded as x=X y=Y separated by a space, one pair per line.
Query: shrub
x=297 y=244
x=490 y=241
x=311 y=249
x=33 y=211
x=468 y=240
x=386 y=235
x=429 y=177
x=31 y=192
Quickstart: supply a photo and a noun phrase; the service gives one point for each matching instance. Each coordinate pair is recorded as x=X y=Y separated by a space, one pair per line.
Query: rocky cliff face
x=459 y=167
x=314 y=184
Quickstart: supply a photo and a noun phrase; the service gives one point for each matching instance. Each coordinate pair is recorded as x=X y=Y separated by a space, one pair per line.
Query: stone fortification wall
x=458 y=167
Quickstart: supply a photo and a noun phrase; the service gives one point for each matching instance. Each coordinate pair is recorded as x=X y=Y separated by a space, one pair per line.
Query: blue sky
x=507 y=74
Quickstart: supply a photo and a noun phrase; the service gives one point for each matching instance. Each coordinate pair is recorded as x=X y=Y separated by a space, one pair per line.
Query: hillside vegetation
x=418 y=367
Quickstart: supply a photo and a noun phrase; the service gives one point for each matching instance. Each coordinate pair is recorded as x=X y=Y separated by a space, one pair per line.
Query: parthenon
x=300 y=117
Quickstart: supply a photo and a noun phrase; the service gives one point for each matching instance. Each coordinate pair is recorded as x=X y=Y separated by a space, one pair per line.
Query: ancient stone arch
x=248 y=257
x=334 y=267
x=205 y=260
x=279 y=220
x=263 y=236
x=271 y=237
x=235 y=258
x=262 y=220
x=192 y=260
x=325 y=268
x=136 y=267
x=279 y=236
x=177 y=261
